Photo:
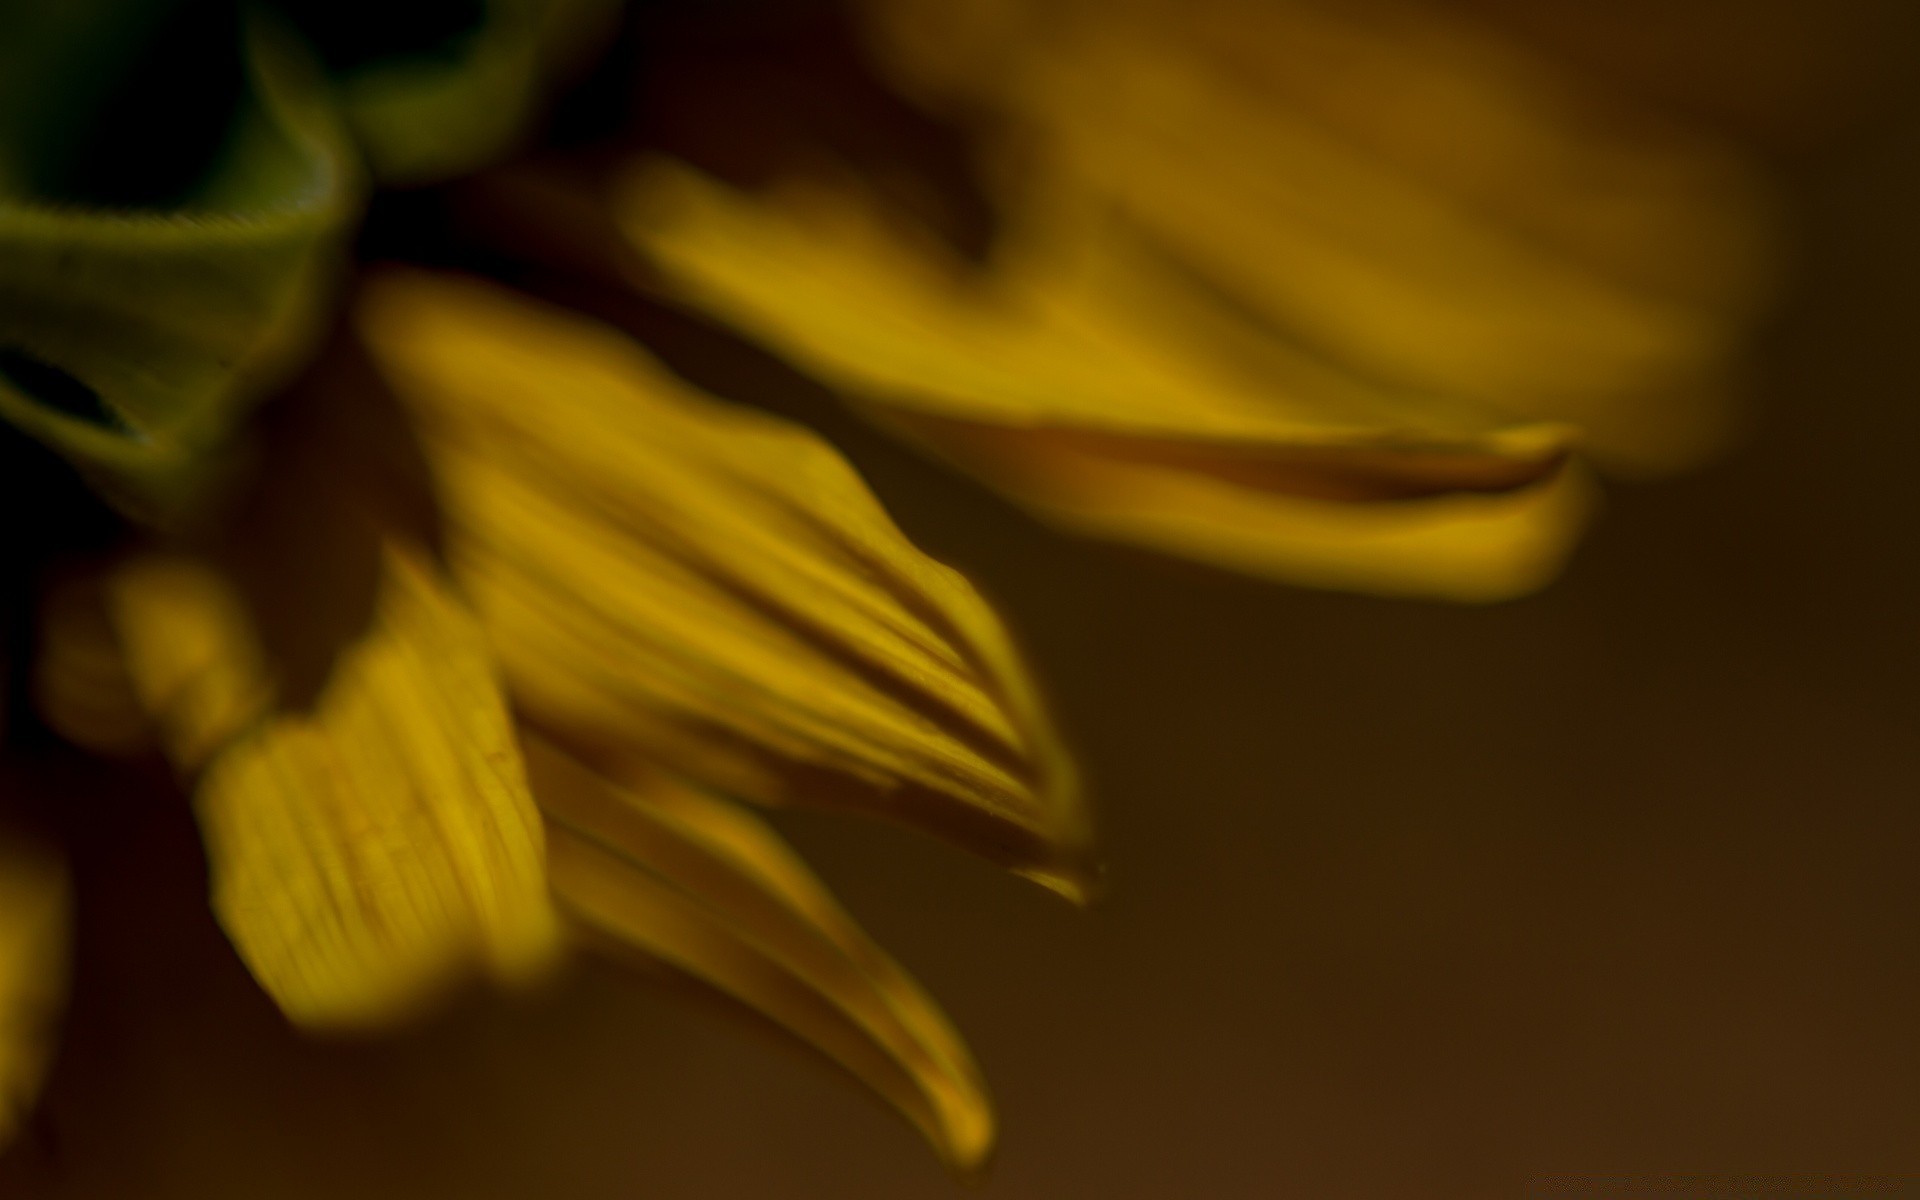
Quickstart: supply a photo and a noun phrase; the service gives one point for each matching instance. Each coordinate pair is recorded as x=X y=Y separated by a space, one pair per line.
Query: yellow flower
x=471 y=646
x=424 y=740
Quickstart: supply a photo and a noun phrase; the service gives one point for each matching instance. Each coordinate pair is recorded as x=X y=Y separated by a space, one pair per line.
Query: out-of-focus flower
x=627 y=606
x=469 y=645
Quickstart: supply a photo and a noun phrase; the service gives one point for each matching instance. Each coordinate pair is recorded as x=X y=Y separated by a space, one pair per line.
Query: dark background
x=1607 y=892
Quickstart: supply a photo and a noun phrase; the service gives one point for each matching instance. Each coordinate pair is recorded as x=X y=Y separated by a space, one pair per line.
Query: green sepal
x=426 y=117
x=132 y=339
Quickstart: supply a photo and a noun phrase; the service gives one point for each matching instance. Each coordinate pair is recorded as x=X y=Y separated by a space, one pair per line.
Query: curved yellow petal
x=1062 y=379
x=1292 y=515
x=683 y=876
x=370 y=852
x=711 y=588
x=1266 y=274
x=35 y=920
x=1398 y=185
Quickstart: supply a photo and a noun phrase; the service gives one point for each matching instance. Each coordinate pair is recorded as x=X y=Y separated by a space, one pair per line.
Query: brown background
x=1610 y=891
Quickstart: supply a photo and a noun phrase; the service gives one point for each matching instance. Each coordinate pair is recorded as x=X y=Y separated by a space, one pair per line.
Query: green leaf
x=449 y=84
x=148 y=295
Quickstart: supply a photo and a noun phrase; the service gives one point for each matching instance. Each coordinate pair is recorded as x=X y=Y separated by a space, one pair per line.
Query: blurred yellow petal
x=671 y=577
x=1060 y=377
x=35 y=921
x=371 y=852
x=1396 y=185
x=1237 y=507
x=690 y=879
x=81 y=684
x=190 y=654
x=1325 y=291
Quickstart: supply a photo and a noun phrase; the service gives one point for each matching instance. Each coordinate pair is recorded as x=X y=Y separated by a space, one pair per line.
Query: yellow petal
x=690 y=879
x=81 y=685
x=191 y=654
x=34 y=925
x=1398 y=186
x=1062 y=378
x=1236 y=506
x=371 y=852
x=672 y=577
x=1266 y=273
